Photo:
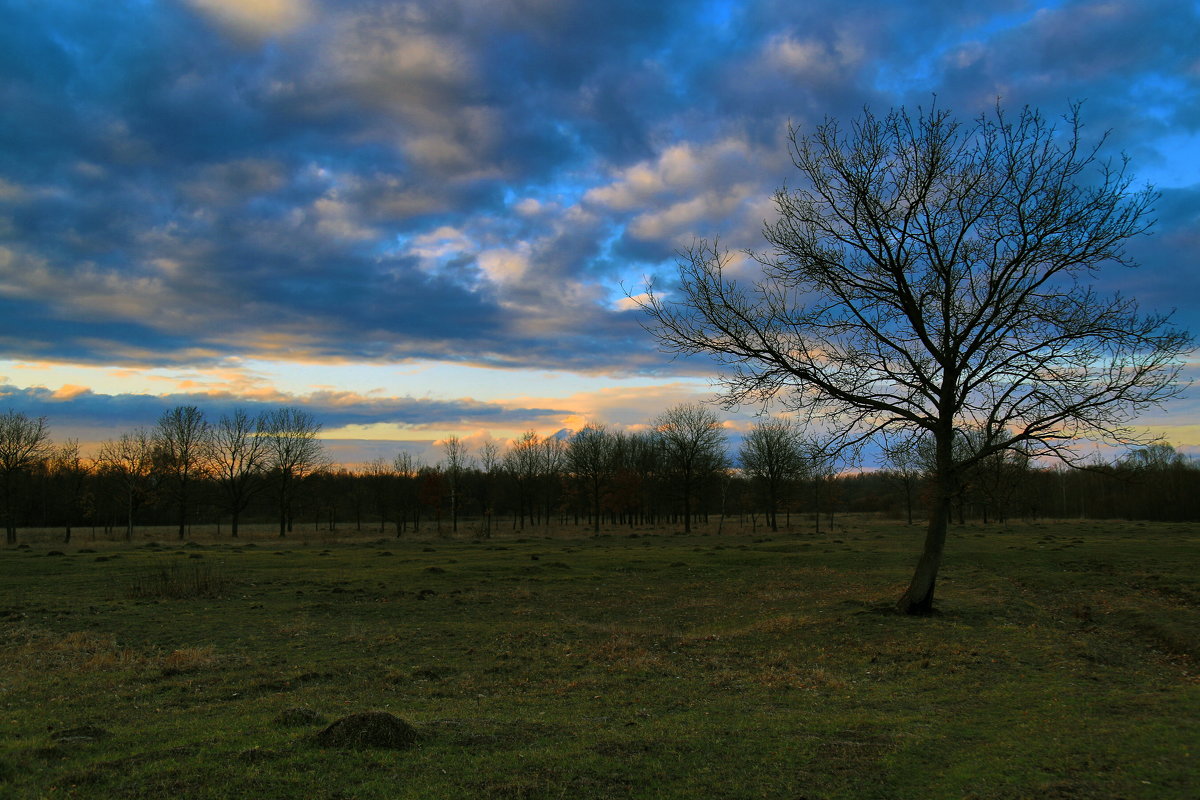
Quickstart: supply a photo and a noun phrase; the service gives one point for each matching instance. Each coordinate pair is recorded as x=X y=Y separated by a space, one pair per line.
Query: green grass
x=1063 y=664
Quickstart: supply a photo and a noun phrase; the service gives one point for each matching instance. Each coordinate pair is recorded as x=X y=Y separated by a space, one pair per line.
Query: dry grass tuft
x=86 y=651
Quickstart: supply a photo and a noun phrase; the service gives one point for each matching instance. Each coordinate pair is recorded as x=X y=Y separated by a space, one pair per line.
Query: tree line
x=680 y=470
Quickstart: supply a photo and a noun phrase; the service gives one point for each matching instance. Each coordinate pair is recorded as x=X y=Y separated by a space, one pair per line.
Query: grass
x=1062 y=665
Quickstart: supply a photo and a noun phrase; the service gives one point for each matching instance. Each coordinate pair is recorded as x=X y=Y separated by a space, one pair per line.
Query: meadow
x=637 y=663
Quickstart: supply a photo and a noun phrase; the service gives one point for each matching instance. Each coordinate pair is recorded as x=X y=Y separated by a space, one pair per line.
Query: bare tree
x=821 y=463
x=997 y=481
x=237 y=454
x=520 y=462
x=489 y=462
x=929 y=275
x=902 y=456
x=551 y=465
x=455 y=462
x=24 y=443
x=129 y=460
x=380 y=477
x=693 y=448
x=591 y=458
x=69 y=471
x=772 y=455
x=181 y=450
x=293 y=452
x=407 y=469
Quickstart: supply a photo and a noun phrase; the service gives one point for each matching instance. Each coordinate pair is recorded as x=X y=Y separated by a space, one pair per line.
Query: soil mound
x=369 y=729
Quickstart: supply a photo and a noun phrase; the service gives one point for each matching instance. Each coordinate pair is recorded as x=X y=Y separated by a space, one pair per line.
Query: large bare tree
x=932 y=275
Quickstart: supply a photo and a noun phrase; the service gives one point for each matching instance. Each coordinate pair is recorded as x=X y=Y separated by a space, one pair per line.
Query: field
x=637 y=663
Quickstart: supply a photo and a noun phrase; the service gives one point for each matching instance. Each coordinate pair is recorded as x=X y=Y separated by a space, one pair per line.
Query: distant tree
x=380 y=477
x=1156 y=481
x=592 y=459
x=455 y=461
x=902 y=457
x=238 y=457
x=551 y=466
x=69 y=472
x=181 y=450
x=928 y=275
x=489 y=462
x=293 y=453
x=692 y=443
x=821 y=463
x=24 y=444
x=997 y=480
x=772 y=455
x=407 y=469
x=1154 y=457
x=519 y=463
x=128 y=460
x=431 y=492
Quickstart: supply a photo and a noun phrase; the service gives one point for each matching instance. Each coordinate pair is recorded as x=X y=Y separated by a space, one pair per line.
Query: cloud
x=72 y=407
x=376 y=182
x=256 y=18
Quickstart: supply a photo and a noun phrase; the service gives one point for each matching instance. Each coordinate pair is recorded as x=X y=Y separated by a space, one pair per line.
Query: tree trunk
x=918 y=598
x=182 y=512
x=687 y=503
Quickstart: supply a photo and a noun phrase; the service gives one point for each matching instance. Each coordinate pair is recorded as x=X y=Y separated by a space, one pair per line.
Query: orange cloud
x=69 y=391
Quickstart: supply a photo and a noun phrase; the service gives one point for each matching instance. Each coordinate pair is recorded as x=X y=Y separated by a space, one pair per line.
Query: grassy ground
x=1063 y=664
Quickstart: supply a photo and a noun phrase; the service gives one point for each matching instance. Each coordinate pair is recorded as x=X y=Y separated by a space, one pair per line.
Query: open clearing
x=638 y=663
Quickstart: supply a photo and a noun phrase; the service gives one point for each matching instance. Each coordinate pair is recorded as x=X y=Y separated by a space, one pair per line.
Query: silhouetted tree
x=489 y=462
x=407 y=469
x=69 y=473
x=693 y=447
x=24 y=444
x=928 y=275
x=455 y=461
x=238 y=457
x=592 y=459
x=521 y=463
x=293 y=452
x=181 y=450
x=128 y=460
x=772 y=456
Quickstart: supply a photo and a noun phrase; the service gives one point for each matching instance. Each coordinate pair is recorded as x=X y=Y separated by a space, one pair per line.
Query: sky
x=424 y=219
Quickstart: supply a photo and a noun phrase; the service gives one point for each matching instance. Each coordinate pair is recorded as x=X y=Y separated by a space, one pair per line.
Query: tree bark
x=918 y=598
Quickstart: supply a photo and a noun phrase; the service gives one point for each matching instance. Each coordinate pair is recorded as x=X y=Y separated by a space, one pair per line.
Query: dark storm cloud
x=185 y=181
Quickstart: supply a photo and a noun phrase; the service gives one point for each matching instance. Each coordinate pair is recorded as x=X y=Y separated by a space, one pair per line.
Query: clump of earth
x=369 y=729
